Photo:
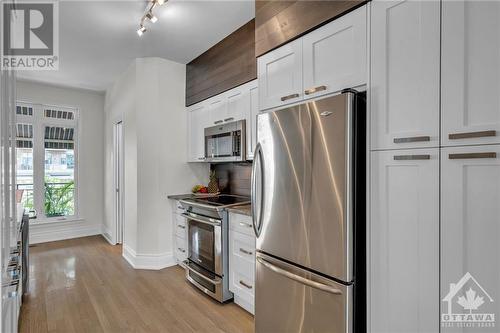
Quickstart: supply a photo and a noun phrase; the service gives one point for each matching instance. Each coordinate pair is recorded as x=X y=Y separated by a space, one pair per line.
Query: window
x=46 y=157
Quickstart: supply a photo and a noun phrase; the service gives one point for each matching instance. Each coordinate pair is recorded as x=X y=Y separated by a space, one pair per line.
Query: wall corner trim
x=148 y=261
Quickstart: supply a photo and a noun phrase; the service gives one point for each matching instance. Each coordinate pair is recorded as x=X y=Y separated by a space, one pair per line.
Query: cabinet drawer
x=178 y=208
x=241 y=223
x=180 y=249
x=242 y=246
x=242 y=284
x=180 y=226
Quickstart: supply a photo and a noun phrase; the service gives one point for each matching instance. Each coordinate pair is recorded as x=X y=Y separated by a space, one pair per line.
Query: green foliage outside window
x=59 y=198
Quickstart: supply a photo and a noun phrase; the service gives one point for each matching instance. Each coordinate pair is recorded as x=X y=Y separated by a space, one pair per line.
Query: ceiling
x=98 y=39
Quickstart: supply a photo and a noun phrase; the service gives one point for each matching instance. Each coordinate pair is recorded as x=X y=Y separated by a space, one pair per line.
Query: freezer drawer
x=290 y=299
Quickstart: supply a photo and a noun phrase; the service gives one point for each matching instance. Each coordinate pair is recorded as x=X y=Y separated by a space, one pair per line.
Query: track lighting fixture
x=149 y=15
x=141 y=30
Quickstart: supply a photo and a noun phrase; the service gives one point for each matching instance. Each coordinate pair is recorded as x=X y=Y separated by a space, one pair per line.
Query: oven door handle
x=198 y=219
x=185 y=264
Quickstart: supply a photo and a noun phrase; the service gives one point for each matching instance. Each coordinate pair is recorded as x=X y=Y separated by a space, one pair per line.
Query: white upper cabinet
x=404 y=102
x=198 y=119
x=470 y=72
x=238 y=104
x=280 y=75
x=329 y=59
x=217 y=108
x=470 y=227
x=404 y=241
x=335 y=55
x=252 y=120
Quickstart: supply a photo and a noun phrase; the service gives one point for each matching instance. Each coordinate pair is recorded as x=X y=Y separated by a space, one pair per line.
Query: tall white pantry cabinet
x=435 y=163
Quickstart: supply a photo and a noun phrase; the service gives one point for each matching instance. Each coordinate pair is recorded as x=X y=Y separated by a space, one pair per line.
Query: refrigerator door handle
x=298 y=278
x=256 y=220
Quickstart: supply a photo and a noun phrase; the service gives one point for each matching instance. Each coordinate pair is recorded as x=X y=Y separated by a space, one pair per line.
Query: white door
x=470 y=226
x=470 y=89
x=335 y=55
x=252 y=121
x=280 y=76
x=198 y=119
x=405 y=44
x=404 y=240
x=118 y=181
x=217 y=108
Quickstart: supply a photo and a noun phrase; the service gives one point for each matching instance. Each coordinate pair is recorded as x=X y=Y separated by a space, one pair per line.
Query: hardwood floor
x=84 y=285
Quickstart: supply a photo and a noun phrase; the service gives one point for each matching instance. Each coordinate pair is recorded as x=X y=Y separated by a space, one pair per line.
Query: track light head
x=160 y=2
x=150 y=16
x=141 y=30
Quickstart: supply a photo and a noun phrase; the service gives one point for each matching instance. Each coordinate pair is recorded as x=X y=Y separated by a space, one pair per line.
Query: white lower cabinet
x=241 y=262
x=404 y=241
x=470 y=230
x=179 y=225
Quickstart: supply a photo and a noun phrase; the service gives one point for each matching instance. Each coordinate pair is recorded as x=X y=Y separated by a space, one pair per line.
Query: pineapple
x=213 y=185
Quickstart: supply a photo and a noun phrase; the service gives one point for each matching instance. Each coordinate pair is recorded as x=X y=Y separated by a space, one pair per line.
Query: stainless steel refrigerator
x=308 y=207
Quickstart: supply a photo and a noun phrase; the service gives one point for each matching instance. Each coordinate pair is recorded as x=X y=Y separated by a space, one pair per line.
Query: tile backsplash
x=234 y=178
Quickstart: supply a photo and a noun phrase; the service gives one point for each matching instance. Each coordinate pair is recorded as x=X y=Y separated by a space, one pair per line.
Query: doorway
x=118 y=180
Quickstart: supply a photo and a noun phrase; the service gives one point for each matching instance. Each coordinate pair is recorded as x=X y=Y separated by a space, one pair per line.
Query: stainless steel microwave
x=226 y=142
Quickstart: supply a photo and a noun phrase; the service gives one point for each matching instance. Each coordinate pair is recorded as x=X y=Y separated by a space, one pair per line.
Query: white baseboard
x=107 y=235
x=56 y=231
x=148 y=261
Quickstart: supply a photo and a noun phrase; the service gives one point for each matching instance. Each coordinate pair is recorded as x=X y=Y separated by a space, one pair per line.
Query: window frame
x=39 y=121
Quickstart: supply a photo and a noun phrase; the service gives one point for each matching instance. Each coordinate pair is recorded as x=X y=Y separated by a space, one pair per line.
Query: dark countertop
x=180 y=196
x=244 y=210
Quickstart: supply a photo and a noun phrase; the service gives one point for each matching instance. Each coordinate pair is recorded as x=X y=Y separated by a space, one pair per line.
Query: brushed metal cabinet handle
x=182 y=250
x=181 y=226
x=472 y=155
x=245 y=225
x=284 y=98
x=245 y=251
x=229 y=119
x=314 y=90
x=411 y=157
x=469 y=135
x=412 y=139
x=218 y=122
x=201 y=158
x=245 y=285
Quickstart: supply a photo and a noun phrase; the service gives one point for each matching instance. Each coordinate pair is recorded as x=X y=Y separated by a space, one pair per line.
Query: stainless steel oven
x=207 y=264
x=226 y=142
x=204 y=242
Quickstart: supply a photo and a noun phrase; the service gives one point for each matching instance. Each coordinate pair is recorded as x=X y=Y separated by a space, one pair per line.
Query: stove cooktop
x=223 y=200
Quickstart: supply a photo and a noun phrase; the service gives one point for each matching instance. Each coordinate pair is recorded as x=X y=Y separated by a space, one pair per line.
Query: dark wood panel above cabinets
x=226 y=65
x=278 y=22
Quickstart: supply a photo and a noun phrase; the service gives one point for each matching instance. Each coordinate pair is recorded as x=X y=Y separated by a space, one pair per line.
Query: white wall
x=150 y=99
x=90 y=158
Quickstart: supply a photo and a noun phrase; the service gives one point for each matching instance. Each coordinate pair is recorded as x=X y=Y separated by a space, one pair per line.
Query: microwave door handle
x=257 y=219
